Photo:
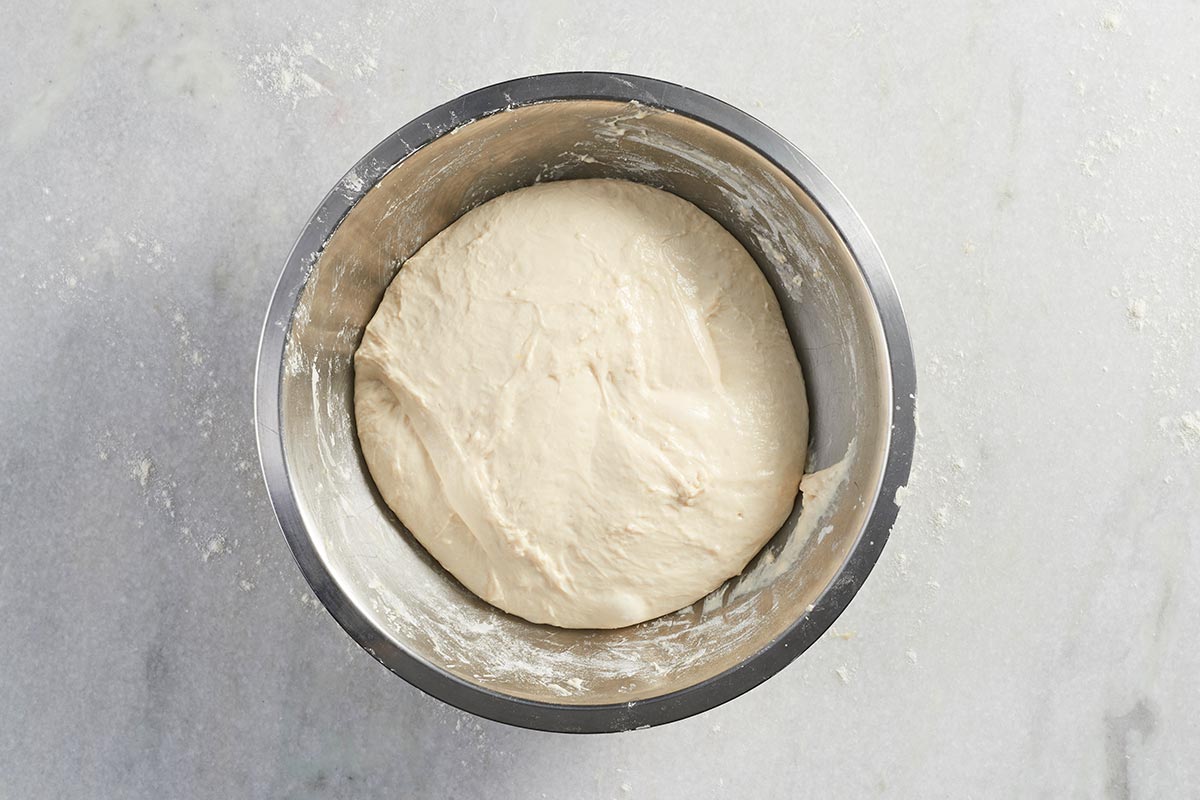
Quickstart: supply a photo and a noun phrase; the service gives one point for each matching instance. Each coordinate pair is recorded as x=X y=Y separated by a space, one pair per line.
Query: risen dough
x=581 y=398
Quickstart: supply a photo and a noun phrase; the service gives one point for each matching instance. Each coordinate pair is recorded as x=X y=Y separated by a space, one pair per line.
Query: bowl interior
x=829 y=311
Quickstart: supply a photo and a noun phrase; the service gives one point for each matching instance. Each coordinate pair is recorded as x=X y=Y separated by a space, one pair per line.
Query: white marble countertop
x=1031 y=175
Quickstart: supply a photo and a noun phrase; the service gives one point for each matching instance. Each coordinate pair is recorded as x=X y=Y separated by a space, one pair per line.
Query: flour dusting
x=414 y=603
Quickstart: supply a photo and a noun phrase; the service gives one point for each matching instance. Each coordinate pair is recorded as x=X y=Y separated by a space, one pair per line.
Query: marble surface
x=1031 y=176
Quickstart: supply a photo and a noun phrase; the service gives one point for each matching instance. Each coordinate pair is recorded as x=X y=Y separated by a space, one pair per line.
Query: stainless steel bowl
x=840 y=306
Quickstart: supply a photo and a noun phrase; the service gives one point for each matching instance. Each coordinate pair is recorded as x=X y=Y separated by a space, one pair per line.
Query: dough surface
x=581 y=398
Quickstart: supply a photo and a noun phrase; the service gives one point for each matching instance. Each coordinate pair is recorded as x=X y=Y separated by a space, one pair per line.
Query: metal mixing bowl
x=838 y=301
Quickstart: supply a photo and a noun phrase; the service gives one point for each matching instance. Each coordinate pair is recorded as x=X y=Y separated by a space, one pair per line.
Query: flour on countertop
x=140 y=470
x=1183 y=430
x=1137 y=313
x=306 y=66
x=215 y=547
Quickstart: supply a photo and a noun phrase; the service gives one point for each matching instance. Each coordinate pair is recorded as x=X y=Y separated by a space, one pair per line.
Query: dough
x=581 y=398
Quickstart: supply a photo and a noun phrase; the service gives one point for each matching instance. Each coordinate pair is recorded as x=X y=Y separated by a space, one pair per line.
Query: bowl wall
x=381 y=584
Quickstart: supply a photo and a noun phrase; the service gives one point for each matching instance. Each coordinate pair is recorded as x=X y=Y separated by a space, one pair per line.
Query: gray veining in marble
x=1031 y=175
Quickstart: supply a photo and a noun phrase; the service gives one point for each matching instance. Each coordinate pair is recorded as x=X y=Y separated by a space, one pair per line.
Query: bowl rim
x=390 y=153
